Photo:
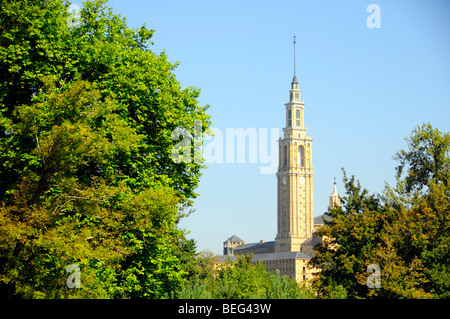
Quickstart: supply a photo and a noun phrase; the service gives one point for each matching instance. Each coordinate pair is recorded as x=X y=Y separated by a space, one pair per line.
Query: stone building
x=294 y=243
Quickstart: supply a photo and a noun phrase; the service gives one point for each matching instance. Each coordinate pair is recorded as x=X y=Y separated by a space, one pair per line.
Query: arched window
x=285 y=155
x=301 y=156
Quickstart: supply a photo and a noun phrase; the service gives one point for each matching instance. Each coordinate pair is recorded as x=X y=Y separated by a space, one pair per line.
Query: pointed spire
x=294 y=84
x=295 y=77
x=334 y=197
x=295 y=41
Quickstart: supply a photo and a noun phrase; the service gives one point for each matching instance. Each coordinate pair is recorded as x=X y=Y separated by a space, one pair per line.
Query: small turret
x=335 y=200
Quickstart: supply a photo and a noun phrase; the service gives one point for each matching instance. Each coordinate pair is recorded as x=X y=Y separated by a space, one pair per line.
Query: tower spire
x=295 y=209
x=294 y=80
x=334 y=197
x=295 y=41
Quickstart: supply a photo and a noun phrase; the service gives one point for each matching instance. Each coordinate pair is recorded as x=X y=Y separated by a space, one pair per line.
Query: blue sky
x=365 y=90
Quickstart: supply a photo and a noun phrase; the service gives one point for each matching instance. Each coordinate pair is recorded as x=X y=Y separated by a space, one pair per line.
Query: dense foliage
x=87 y=112
x=240 y=279
x=405 y=230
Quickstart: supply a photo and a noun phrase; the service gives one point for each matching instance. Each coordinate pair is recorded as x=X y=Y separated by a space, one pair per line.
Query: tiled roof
x=264 y=244
x=319 y=219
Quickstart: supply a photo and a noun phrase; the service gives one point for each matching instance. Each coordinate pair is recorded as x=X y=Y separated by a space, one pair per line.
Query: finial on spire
x=295 y=41
x=294 y=84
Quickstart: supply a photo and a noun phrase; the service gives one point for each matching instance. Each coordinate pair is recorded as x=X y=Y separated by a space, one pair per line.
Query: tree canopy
x=405 y=231
x=87 y=112
x=240 y=279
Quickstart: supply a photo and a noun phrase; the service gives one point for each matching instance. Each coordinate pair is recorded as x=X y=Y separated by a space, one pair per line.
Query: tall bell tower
x=295 y=212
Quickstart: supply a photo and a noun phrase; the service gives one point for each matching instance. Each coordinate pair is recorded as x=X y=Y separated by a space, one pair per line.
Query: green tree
x=405 y=230
x=36 y=42
x=241 y=279
x=86 y=175
x=350 y=238
x=419 y=238
x=283 y=287
x=427 y=158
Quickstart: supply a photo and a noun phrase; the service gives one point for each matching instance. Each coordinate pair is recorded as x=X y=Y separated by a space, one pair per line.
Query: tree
x=414 y=249
x=419 y=237
x=404 y=231
x=240 y=279
x=427 y=158
x=117 y=61
x=86 y=176
x=349 y=241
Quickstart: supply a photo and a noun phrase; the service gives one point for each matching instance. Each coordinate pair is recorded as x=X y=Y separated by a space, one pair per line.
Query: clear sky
x=365 y=90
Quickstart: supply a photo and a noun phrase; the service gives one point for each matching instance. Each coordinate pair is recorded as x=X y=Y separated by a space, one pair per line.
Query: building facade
x=295 y=240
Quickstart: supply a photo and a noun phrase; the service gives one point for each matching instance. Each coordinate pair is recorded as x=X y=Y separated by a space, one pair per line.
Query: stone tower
x=295 y=212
